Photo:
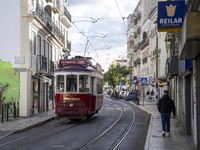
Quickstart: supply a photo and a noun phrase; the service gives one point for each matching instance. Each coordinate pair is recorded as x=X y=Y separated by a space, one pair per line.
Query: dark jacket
x=166 y=105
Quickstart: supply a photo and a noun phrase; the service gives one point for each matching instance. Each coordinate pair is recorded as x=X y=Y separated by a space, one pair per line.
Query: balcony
x=44 y=66
x=135 y=48
x=139 y=15
x=138 y=60
x=66 y=17
x=130 y=38
x=144 y=43
x=56 y=31
x=144 y=60
x=130 y=45
x=135 y=21
x=135 y=62
x=56 y=6
x=41 y=64
x=51 y=67
x=139 y=30
x=135 y=35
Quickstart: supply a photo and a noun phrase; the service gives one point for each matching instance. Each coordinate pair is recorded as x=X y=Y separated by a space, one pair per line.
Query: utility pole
x=131 y=75
x=156 y=64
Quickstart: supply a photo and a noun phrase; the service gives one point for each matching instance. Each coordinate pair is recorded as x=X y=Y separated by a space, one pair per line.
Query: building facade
x=43 y=41
x=145 y=47
x=189 y=73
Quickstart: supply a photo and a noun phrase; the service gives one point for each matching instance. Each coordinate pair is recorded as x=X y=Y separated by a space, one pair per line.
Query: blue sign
x=135 y=78
x=143 y=80
x=133 y=81
x=121 y=83
x=171 y=15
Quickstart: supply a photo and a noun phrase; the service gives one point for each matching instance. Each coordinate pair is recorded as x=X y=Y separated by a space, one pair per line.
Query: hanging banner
x=170 y=15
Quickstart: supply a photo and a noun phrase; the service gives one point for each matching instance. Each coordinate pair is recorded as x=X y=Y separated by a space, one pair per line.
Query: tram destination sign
x=65 y=62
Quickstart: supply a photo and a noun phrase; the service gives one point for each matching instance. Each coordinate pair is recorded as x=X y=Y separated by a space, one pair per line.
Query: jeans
x=165 y=117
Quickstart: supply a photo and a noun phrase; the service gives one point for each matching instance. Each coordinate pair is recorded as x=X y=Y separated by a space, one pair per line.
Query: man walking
x=166 y=107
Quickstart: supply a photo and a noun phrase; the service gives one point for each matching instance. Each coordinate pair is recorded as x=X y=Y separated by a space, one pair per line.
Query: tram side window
x=71 y=84
x=99 y=86
x=60 y=83
x=83 y=83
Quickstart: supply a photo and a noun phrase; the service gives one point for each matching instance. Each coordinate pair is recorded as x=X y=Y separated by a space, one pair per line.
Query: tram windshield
x=71 y=83
x=83 y=83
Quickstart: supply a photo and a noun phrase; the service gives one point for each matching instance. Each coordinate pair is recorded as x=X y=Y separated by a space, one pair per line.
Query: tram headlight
x=71 y=104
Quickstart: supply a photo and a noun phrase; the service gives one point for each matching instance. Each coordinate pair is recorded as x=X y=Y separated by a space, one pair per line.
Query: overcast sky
x=111 y=17
x=107 y=13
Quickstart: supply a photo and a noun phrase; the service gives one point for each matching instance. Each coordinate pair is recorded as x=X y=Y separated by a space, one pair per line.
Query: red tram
x=78 y=88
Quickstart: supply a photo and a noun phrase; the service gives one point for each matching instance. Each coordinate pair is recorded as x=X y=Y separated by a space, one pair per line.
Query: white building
x=143 y=44
x=43 y=40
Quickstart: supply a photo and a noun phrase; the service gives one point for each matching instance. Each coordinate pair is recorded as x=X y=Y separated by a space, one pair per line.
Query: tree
x=9 y=82
x=115 y=74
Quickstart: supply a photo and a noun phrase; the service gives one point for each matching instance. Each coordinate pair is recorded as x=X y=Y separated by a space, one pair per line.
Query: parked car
x=132 y=96
x=125 y=95
x=121 y=94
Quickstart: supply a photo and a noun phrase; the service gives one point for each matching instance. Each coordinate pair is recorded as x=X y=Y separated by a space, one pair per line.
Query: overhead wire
x=121 y=16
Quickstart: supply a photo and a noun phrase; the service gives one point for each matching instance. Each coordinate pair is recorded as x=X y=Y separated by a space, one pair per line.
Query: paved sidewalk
x=9 y=127
x=155 y=141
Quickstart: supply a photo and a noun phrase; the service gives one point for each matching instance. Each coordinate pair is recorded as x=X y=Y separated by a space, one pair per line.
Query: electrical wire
x=121 y=16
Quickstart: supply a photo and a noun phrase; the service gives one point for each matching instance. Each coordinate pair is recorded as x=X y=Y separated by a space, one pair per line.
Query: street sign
x=143 y=80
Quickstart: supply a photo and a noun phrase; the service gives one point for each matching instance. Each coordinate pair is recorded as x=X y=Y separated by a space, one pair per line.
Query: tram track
x=120 y=139
x=39 y=137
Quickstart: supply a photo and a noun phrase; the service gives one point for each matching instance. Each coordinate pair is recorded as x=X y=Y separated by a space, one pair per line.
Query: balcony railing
x=144 y=60
x=44 y=66
x=139 y=30
x=135 y=35
x=36 y=9
x=135 y=48
x=41 y=64
x=144 y=43
x=56 y=6
x=56 y=31
x=138 y=60
x=51 y=67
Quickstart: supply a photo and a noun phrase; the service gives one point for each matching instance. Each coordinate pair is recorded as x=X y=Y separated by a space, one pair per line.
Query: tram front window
x=83 y=83
x=71 y=83
x=60 y=83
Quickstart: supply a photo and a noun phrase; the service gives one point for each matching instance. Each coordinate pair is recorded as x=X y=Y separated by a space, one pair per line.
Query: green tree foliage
x=115 y=74
x=9 y=82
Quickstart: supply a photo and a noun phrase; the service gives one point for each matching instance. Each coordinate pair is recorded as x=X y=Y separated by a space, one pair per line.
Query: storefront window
x=71 y=83
x=83 y=83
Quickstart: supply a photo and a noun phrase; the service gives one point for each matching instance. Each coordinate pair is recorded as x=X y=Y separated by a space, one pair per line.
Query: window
x=99 y=86
x=34 y=43
x=60 y=83
x=39 y=45
x=50 y=53
x=83 y=83
x=71 y=83
x=47 y=52
x=44 y=48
